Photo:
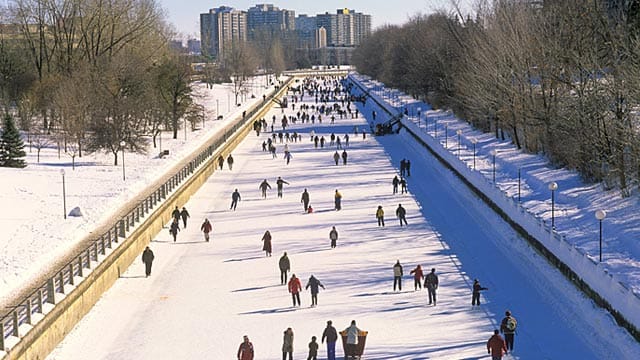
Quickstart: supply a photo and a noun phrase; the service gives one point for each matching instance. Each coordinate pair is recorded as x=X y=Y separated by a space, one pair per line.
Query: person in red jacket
x=496 y=346
x=245 y=351
x=417 y=277
x=206 y=229
x=294 y=288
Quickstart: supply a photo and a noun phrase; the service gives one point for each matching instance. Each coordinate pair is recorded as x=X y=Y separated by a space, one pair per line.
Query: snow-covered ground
x=34 y=231
x=202 y=297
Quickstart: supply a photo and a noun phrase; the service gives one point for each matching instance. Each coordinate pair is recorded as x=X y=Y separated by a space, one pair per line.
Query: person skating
x=284 y=265
x=397 y=276
x=418 y=275
x=174 y=229
x=344 y=157
x=147 y=260
x=313 y=349
x=352 y=341
x=315 y=285
x=294 y=289
x=496 y=346
x=304 y=199
x=407 y=165
x=403 y=167
x=280 y=184
x=245 y=350
x=395 y=183
x=176 y=213
x=264 y=185
x=287 y=157
x=206 y=229
x=336 y=158
x=331 y=335
x=403 y=185
x=475 y=295
x=266 y=243
x=220 y=161
x=431 y=283
x=380 y=216
x=235 y=197
x=333 y=236
x=337 y=198
x=184 y=214
x=230 y=162
x=508 y=328
x=401 y=213
x=287 y=344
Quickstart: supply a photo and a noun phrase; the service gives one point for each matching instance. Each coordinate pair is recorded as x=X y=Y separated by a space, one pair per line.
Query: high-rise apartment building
x=306 y=27
x=345 y=27
x=320 y=38
x=220 y=29
x=270 y=19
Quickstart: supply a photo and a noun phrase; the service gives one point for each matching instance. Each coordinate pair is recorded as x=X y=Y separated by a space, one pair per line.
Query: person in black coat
x=174 y=229
x=401 y=213
x=147 y=259
x=176 y=213
x=235 y=197
x=230 y=162
x=395 y=183
x=305 y=200
x=315 y=285
x=331 y=335
x=184 y=214
x=344 y=157
x=475 y=295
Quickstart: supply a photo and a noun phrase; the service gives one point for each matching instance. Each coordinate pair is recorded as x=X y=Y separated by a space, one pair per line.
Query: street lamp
x=553 y=187
x=474 y=141
x=459 y=132
x=600 y=215
x=446 y=135
x=64 y=195
x=122 y=144
x=419 y=110
x=494 y=153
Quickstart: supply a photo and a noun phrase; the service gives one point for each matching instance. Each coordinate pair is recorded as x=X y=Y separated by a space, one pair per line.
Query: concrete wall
x=38 y=342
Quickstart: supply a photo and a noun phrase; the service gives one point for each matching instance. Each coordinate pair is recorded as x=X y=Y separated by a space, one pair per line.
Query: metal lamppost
x=185 y=129
x=459 y=132
x=419 y=113
x=493 y=154
x=446 y=135
x=64 y=195
x=217 y=107
x=600 y=215
x=122 y=144
x=435 y=128
x=553 y=187
x=474 y=141
x=519 y=183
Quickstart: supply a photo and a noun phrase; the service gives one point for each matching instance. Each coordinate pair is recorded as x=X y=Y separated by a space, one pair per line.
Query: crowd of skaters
x=325 y=91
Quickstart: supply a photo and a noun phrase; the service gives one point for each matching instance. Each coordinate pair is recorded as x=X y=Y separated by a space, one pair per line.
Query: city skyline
x=185 y=19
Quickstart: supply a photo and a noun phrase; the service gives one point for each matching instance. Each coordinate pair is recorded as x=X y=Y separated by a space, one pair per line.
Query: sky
x=204 y=296
x=185 y=15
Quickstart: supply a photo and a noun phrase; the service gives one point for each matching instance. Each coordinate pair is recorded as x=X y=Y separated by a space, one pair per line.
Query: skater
x=184 y=214
x=315 y=285
x=352 y=341
x=147 y=260
x=407 y=165
x=508 y=328
x=294 y=289
x=337 y=197
x=417 y=277
x=174 y=229
x=344 y=157
x=333 y=236
x=280 y=184
x=305 y=199
x=313 y=349
x=266 y=246
x=338 y=144
x=496 y=346
x=403 y=185
x=310 y=210
x=431 y=283
x=336 y=157
x=235 y=197
x=287 y=344
x=230 y=162
x=401 y=213
x=264 y=185
x=176 y=213
x=285 y=265
x=220 y=161
x=403 y=167
x=288 y=156
x=206 y=229
x=346 y=140
x=397 y=276
x=245 y=350
x=380 y=216
x=395 y=183
x=331 y=335
x=475 y=295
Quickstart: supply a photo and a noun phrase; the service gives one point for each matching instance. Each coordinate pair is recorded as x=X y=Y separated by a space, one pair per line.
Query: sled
x=362 y=339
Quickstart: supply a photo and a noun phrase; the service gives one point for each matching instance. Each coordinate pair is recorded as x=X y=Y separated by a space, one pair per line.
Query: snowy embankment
x=575 y=241
x=35 y=233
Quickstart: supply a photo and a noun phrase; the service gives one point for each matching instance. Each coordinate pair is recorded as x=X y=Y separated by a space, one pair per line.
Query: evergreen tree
x=11 y=145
